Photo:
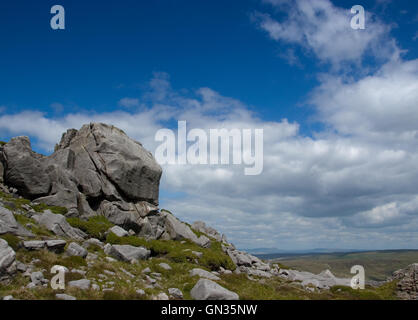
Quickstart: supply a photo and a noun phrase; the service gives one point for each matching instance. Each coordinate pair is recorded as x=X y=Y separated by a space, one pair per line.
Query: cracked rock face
x=95 y=170
x=8 y=265
x=407 y=282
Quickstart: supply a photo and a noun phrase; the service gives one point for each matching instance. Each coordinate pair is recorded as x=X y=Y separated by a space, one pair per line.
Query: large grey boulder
x=25 y=169
x=208 y=290
x=58 y=224
x=95 y=170
x=128 y=253
x=8 y=266
x=8 y=224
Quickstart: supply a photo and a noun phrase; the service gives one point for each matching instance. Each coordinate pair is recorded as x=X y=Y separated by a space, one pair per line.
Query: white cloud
x=324 y=29
x=311 y=188
x=129 y=102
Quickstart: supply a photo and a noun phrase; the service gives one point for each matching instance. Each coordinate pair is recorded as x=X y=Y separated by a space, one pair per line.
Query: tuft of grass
x=12 y=240
x=2 y=143
x=94 y=226
x=214 y=258
x=35 y=229
x=41 y=207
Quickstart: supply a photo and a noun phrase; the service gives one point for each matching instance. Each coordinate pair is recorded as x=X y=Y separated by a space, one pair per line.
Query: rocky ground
x=90 y=212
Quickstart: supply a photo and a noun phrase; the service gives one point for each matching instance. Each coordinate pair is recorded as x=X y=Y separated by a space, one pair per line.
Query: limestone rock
x=59 y=225
x=203 y=274
x=95 y=169
x=7 y=261
x=75 y=249
x=63 y=296
x=8 y=224
x=26 y=170
x=82 y=284
x=128 y=253
x=407 y=288
x=208 y=290
x=175 y=293
x=120 y=232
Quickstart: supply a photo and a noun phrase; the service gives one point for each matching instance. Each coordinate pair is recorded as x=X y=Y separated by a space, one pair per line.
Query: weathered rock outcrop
x=8 y=266
x=8 y=224
x=407 y=282
x=98 y=168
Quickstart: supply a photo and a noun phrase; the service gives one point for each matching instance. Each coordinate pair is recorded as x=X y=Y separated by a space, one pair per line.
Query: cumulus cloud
x=324 y=29
x=316 y=190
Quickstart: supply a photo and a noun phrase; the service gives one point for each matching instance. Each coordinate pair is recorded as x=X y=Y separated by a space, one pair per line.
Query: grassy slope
x=378 y=265
x=177 y=254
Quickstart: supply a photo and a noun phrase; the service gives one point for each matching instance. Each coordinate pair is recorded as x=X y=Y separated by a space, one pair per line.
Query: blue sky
x=339 y=170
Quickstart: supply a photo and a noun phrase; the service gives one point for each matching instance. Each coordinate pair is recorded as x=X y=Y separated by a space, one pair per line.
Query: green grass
x=12 y=240
x=35 y=228
x=94 y=226
x=2 y=143
x=212 y=258
x=41 y=207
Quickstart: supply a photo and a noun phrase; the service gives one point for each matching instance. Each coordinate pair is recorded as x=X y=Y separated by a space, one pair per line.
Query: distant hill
x=378 y=264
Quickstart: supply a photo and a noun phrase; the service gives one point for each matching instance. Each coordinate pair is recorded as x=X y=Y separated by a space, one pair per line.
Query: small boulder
x=128 y=253
x=58 y=224
x=82 y=284
x=63 y=296
x=175 y=293
x=34 y=245
x=56 y=246
x=75 y=249
x=208 y=290
x=120 y=232
x=165 y=266
x=203 y=274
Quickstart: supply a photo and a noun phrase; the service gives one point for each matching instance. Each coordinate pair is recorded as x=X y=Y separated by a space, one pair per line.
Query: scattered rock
x=128 y=253
x=8 y=265
x=34 y=245
x=208 y=290
x=56 y=246
x=8 y=224
x=63 y=296
x=8 y=298
x=37 y=278
x=75 y=249
x=93 y=242
x=175 y=293
x=82 y=284
x=120 y=232
x=165 y=266
x=203 y=274
x=161 y=296
x=59 y=225
x=146 y=270
x=140 y=292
